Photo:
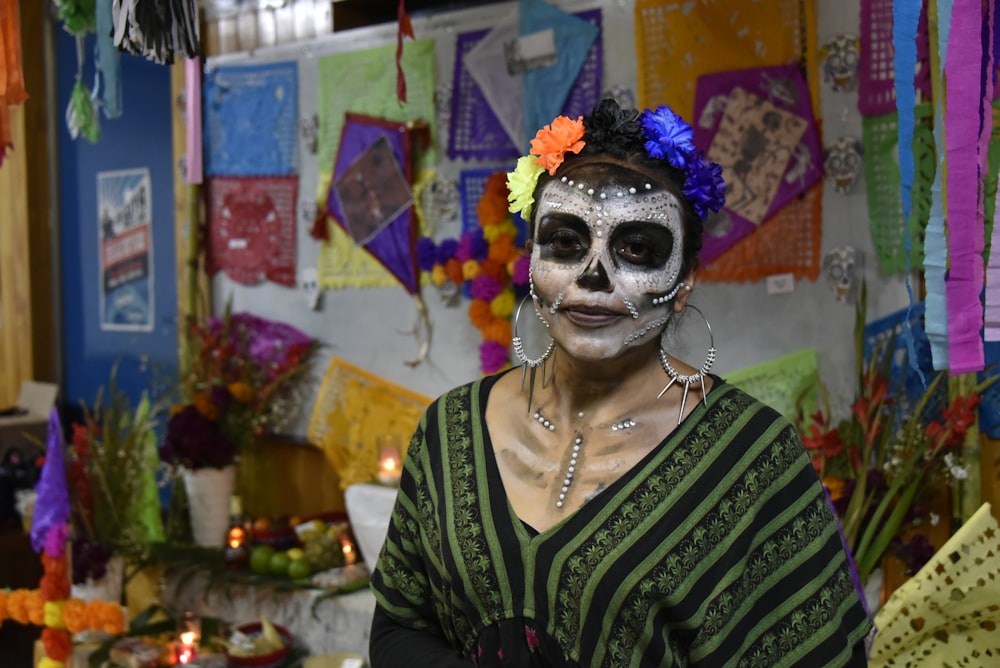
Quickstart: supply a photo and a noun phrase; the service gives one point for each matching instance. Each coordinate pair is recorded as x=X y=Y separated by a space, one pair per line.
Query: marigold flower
x=74 y=615
x=453 y=270
x=46 y=662
x=493 y=356
x=503 y=304
x=54 y=614
x=494 y=232
x=35 y=605
x=3 y=605
x=835 y=486
x=241 y=391
x=493 y=269
x=492 y=206
x=552 y=142
x=480 y=314
x=499 y=330
x=470 y=269
x=17 y=606
x=203 y=404
x=58 y=644
x=502 y=249
x=438 y=277
x=54 y=587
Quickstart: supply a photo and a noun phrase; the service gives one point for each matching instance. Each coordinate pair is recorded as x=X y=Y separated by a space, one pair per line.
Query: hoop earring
x=526 y=362
x=697 y=377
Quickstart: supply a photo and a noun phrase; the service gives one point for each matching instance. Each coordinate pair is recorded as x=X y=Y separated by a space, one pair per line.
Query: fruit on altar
x=324 y=552
x=260 y=558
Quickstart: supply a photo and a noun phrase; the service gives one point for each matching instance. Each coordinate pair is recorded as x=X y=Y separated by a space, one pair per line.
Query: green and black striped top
x=717 y=549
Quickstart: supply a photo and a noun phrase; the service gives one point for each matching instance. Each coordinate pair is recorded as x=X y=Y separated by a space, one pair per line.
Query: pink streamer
x=966 y=230
x=192 y=111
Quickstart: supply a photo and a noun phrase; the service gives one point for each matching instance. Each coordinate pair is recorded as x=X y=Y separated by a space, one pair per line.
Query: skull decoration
x=310 y=283
x=842 y=162
x=840 y=62
x=309 y=130
x=841 y=266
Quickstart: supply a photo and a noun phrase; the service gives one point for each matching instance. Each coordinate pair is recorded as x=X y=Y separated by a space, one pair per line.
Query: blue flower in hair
x=704 y=186
x=668 y=136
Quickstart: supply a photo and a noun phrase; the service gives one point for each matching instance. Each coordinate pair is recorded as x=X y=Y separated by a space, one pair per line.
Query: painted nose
x=594 y=277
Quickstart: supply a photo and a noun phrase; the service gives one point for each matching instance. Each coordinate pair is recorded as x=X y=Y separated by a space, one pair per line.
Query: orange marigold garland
x=489 y=262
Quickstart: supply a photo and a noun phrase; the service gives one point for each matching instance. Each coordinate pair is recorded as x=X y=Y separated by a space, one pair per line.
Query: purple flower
x=426 y=252
x=90 y=560
x=704 y=186
x=463 y=252
x=486 y=287
x=668 y=136
x=493 y=356
x=194 y=441
x=221 y=397
x=521 y=267
x=480 y=246
x=445 y=251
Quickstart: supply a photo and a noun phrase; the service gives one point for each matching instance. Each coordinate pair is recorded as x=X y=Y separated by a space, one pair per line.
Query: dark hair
x=615 y=142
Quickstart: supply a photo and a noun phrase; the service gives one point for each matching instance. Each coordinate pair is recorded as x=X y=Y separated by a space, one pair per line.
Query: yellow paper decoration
x=947 y=614
x=355 y=409
x=677 y=41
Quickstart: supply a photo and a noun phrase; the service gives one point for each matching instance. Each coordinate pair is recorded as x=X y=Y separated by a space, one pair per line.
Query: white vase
x=208 y=491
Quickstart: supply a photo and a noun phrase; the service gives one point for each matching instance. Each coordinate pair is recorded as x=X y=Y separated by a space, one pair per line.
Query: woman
x=609 y=505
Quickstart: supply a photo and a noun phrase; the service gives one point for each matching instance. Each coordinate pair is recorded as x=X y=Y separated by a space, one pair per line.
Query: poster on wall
x=125 y=232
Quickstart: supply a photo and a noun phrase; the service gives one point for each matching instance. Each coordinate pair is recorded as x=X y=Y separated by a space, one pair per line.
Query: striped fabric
x=717 y=549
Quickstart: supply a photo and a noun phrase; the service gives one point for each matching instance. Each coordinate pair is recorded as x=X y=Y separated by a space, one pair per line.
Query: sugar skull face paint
x=601 y=253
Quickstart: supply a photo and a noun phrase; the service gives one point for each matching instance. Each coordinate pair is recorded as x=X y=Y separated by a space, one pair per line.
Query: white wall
x=370 y=327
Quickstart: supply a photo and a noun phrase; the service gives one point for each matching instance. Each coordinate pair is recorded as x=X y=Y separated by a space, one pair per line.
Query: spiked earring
x=688 y=380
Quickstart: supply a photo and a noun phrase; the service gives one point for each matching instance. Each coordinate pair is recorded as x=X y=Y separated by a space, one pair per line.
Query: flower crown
x=668 y=137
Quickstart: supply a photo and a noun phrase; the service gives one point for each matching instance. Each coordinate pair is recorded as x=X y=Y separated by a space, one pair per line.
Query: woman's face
x=602 y=251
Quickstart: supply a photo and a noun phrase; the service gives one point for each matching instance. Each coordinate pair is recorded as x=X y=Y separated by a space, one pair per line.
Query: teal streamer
x=108 y=60
x=905 y=20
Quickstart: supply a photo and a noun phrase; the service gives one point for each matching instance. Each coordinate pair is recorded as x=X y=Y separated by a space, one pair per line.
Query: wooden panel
x=282 y=477
x=15 y=292
x=26 y=298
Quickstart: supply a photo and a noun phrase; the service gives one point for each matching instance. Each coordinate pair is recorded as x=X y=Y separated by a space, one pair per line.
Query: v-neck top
x=718 y=548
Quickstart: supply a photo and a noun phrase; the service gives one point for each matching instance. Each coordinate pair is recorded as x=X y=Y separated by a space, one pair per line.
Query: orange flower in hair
x=552 y=142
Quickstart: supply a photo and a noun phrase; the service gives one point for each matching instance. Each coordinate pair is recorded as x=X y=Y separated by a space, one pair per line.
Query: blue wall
x=140 y=138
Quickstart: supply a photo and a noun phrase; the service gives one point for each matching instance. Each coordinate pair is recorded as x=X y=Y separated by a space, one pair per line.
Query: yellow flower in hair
x=503 y=304
x=470 y=269
x=521 y=184
x=438 y=275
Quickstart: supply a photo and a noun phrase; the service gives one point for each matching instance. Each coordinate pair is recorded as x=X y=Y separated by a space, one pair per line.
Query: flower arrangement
x=881 y=464
x=668 y=137
x=489 y=261
x=239 y=384
x=114 y=502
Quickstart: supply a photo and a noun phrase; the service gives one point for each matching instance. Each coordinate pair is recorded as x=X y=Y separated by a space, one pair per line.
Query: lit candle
x=189 y=636
x=185 y=653
x=389 y=465
x=350 y=554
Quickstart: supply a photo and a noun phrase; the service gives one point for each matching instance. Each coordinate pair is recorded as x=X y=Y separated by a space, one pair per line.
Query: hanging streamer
x=108 y=62
x=11 y=77
x=905 y=20
x=935 y=243
x=192 y=116
x=157 y=30
x=964 y=91
x=81 y=115
x=405 y=29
